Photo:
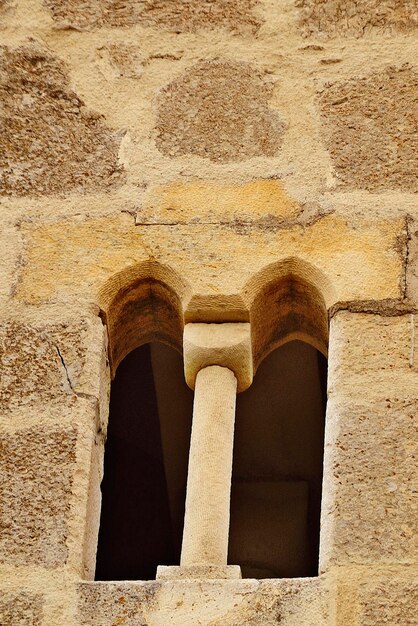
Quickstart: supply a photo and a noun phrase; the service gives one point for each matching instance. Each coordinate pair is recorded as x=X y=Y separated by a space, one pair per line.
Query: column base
x=203 y=572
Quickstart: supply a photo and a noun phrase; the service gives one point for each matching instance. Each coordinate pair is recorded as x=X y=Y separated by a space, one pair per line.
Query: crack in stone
x=408 y=239
x=65 y=368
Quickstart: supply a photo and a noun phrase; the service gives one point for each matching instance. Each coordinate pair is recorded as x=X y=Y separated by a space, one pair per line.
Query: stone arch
x=145 y=461
x=279 y=429
x=288 y=300
x=141 y=304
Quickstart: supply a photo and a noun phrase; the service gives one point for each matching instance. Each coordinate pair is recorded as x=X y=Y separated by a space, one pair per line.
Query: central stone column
x=206 y=521
x=218 y=363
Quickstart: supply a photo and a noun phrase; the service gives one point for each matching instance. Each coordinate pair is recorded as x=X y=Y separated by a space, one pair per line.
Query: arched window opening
x=277 y=467
x=145 y=468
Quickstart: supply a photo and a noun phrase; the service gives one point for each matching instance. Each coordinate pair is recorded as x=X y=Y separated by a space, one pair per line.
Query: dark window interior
x=277 y=471
x=145 y=470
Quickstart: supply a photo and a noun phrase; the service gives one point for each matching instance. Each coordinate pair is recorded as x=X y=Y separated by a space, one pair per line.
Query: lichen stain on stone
x=236 y=16
x=200 y=200
x=51 y=142
x=356 y=17
x=370 y=129
x=219 y=110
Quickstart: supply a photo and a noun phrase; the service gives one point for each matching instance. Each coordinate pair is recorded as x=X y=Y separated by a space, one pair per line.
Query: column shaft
x=206 y=522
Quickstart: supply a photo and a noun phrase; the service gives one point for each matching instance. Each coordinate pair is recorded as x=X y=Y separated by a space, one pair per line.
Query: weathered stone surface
x=20 y=609
x=370 y=129
x=208 y=603
x=219 y=110
x=176 y=16
x=263 y=203
x=412 y=268
x=369 y=470
x=42 y=363
x=356 y=17
x=128 y=60
x=384 y=359
x=35 y=487
x=105 y=604
x=389 y=602
x=79 y=257
x=50 y=141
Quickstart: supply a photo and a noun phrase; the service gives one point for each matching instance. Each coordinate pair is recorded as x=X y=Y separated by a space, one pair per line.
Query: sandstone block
x=412 y=269
x=356 y=18
x=20 y=609
x=369 y=128
x=105 y=604
x=219 y=110
x=372 y=352
x=389 y=601
x=369 y=514
x=236 y=16
x=368 y=510
x=68 y=259
x=49 y=363
x=51 y=142
x=208 y=603
x=36 y=477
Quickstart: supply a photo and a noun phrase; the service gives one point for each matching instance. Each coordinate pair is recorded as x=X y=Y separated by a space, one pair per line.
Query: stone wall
x=211 y=146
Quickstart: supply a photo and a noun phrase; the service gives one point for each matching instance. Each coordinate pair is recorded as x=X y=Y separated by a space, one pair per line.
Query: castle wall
x=214 y=146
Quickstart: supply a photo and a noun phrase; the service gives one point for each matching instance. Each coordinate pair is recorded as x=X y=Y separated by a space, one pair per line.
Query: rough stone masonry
x=173 y=161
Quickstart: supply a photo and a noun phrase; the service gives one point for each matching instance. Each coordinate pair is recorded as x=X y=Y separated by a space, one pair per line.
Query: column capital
x=227 y=345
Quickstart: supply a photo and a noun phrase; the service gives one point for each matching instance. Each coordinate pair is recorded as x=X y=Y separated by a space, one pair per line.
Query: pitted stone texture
x=35 y=487
x=370 y=129
x=50 y=142
x=375 y=351
x=40 y=364
x=389 y=602
x=178 y=16
x=219 y=110
x=370 y=472
x=368 y=513
x=356 y=18
x=304 y=602
x=107 y=604
x=20 y=609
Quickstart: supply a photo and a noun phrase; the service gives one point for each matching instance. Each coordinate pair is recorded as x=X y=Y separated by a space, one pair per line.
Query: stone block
x=20 y=608
x=389 y=602
x=106 y=604
x=304 y=602
x=368 y=514
x=72 y=260
x=372 y=352
x=49 y=363
x=51 y=142
x=412 y=268
x=356 y=18
x=219 y=110
x=36 y=478
x=236 y=16
x=369 y=130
